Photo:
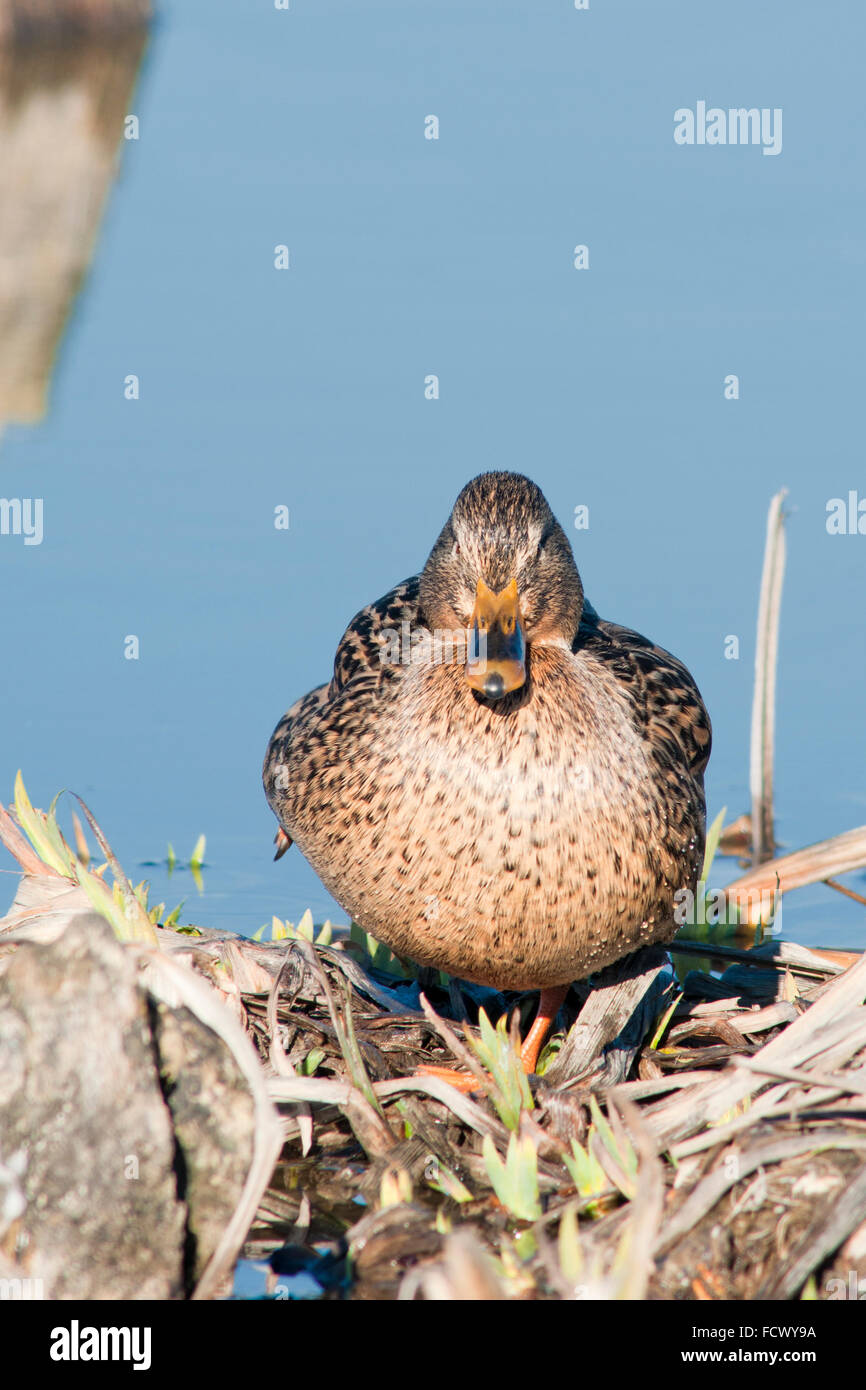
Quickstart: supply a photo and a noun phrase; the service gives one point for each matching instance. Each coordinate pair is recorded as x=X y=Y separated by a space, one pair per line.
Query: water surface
x=305 y=388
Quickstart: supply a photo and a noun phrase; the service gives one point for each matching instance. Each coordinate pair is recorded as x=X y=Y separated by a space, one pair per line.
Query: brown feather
x=523 y=842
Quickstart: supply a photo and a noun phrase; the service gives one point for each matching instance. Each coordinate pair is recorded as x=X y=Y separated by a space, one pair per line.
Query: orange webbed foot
x=461 y=1080
x=548 y=1006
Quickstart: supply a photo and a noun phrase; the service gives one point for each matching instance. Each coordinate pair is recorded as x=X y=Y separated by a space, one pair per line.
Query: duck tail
x=282 y=842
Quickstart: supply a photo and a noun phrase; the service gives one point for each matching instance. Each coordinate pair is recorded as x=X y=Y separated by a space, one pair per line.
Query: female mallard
x=519 y=810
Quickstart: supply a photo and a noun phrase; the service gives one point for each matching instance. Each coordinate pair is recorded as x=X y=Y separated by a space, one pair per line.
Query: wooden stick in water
x=764 y=699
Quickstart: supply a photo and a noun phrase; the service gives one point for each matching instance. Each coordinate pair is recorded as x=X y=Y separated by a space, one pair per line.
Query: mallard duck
x=496 y=781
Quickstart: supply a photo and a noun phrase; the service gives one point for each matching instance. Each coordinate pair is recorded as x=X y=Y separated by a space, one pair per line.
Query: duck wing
x=370 y=633
x=357 y=662
x=667 y=703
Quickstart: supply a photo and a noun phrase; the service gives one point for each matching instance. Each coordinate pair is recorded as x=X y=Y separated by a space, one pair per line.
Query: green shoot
x=515 y=1181
x=497 y=1051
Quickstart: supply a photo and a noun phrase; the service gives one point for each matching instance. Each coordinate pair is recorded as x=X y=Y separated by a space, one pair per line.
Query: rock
x=213 y=1116
x=134 y=1119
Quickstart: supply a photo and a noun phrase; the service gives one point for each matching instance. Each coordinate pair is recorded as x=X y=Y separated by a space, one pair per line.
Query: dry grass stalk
x=764 y=700
x=814 y=864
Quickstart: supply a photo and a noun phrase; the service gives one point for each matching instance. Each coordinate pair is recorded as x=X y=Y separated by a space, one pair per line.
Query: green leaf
x=109 y=904
x=713 y=836
x=663 y=1023
x=139 y=927
x=515 y=1181
x=586 y=1172
x=526 y=1245
x=443 y=1180
x=623 y=1155
x=379 y=956
x=196 y=859
x=495 y=1050
x=313 y=1060
x=550 y=1050
x=55 y=836
x=305 y=928
x=570 y=1255
x=33 y=825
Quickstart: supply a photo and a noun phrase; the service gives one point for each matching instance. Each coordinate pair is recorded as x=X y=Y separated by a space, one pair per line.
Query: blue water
x=305 y=388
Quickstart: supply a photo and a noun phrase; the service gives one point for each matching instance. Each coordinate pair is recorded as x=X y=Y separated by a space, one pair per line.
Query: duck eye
x=456 y=551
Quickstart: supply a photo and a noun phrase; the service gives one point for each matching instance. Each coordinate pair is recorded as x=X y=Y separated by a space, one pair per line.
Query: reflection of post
x=40 y=21
x=62 y=110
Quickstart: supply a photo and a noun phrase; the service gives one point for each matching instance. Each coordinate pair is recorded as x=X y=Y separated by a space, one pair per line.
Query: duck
x=496 y=782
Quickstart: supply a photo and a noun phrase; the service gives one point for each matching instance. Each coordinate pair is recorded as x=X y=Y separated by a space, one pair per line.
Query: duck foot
x=549 y=1004
x=461 y=1080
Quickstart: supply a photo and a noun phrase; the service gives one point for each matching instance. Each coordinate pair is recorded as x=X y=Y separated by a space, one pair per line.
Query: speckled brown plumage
x=521 y=842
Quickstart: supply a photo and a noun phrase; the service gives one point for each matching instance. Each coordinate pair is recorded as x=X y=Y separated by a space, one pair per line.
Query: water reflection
x=62 y=111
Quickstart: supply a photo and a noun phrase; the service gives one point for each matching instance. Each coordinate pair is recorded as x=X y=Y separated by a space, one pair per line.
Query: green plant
x=622 y=1166
x=497 y=1050
x=122 y=905
x=304 y=931
x=311 y=1063
x=514 y=1180
x=196 y=859
x=443 y=1180
x=568 y=1245
x=195 y=863
x=586 y=1172
x=663 y=1022
x=378 y=956
x=714 y=834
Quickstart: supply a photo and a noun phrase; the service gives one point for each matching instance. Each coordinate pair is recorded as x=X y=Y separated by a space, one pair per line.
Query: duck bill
x=497 y=644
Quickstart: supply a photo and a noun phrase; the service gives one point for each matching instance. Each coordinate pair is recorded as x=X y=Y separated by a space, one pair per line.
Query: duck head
x=502 y=569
